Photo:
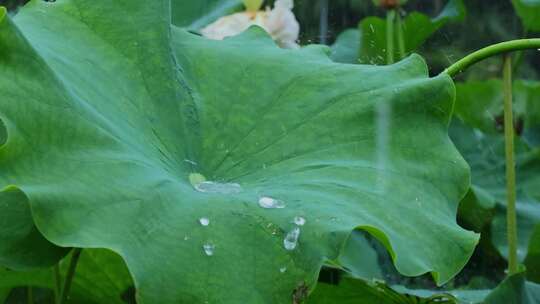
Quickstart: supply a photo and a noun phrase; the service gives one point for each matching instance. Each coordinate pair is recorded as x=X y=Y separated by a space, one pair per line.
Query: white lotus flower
x=279 y=22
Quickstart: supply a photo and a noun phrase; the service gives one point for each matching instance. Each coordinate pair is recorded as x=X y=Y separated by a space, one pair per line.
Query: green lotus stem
x=511 y=222
x=30 y=295
x=57 y=283
x=390 y=16
x=492 y=50
x=400 y=36
x=70 y=274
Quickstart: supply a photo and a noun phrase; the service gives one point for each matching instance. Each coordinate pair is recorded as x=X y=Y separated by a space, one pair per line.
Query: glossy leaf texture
x=105 y=128
x=417 y=28
x=529 y=12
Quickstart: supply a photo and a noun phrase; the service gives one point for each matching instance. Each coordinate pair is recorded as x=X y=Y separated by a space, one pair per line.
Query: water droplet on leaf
x=300 y=221
x=199 y=182
x=291 y=239
x=209 y=249
x=196 y=178
x=222 y=188
x=283 y=269
x=271 y=203
x=204 y=221
x=189 y=161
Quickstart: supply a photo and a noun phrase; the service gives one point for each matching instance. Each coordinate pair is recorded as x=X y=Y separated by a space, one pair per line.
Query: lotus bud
x=389 y=4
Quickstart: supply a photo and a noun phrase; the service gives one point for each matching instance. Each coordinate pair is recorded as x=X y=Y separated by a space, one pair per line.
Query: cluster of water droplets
x=290 y=242
x=291 y=239
x=208 y=248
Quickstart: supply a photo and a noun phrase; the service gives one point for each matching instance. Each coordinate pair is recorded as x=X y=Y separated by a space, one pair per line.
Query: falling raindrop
x=291 y=239
x=214 y=187
x=300 y=221
x=186 y=238
x=283 y=269
x=204 y=221
x=189 y=161
x=209 y=249
x=271 y=203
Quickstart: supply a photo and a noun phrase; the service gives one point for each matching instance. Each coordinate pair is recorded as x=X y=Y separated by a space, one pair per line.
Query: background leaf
x=101 y=277
x=532 y=261
x=22 y=246
x=417 y=28
x=529 y=11
x=346 y=47
x=478 y=135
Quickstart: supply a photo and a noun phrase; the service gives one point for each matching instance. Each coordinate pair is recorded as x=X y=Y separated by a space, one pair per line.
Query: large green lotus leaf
x=480 y=104
x=417 y=28
x=486 y=202
x=106 y=125
x=529 y=12
x=194 y=15
x=101 y=277
x=22 y=247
